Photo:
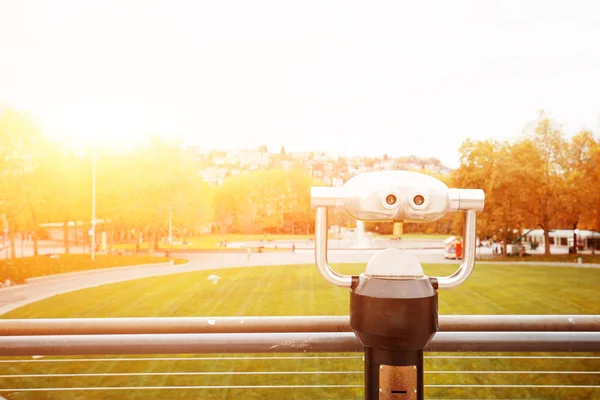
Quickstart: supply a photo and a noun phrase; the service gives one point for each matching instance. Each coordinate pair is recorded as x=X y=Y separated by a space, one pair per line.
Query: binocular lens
x=419 y=200
x=391 y=199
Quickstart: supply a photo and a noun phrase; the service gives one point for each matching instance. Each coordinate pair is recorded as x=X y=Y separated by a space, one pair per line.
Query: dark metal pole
x=289 y=343
x=394 y=319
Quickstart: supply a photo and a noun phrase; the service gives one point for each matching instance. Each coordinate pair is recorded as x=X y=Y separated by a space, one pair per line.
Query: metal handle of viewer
x=468 y=200
x=446 y=282
x=321 y=252
x=466 y=267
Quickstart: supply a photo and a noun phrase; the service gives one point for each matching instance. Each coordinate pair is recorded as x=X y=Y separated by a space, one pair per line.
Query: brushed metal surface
x=397 y=383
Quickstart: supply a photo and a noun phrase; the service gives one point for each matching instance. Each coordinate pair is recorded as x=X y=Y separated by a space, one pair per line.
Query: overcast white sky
x=347 y=77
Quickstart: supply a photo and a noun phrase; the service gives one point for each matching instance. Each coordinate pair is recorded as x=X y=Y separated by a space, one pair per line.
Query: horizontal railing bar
x=447 y=323
x=515 y=342
x=520 y=323
x=500 y=386
x=224 y=358
x=288 y=343
x=186 y=373
x=61 y=389
x=515 y=357
x=94 y=326
x=179 y=343
x=254 y=387
x=220 y=373
x=517 y=372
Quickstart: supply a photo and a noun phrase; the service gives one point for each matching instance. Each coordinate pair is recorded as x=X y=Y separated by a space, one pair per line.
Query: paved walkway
x=43 y=287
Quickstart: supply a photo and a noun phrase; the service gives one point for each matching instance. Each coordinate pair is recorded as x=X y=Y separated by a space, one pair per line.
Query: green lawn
x=299 y=290
x=29 y=267
x=211 y=241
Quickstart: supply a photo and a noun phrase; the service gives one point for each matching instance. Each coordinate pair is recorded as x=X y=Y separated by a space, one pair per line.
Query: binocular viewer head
x=397 y=196
x=393 y=305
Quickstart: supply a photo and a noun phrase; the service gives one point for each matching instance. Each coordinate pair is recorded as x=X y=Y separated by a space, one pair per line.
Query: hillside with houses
x=217 y=165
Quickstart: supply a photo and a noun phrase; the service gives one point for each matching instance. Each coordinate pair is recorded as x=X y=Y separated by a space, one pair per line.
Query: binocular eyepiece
x=397 y=196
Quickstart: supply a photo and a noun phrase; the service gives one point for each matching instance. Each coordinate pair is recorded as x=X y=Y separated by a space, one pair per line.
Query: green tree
x=263 y=201
x=20 y=153
x=69 y=181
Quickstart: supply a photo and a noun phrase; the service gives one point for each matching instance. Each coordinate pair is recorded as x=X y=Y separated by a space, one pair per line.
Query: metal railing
x=270 y=335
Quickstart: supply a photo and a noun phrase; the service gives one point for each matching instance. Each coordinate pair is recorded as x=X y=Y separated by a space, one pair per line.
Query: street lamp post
x=94 y=159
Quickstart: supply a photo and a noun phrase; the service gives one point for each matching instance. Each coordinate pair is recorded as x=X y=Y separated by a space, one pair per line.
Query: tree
x=546 y=156
x=578 y=196
x=142 y=190
x=504 y=172
x=69 y=179
x=264 y=201
x=22 y=146
x=591 y=218
x=478 y=162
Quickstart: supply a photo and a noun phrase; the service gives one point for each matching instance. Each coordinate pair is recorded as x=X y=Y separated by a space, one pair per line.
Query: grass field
x=299 y=290
x=29 y=267
x=211 y=241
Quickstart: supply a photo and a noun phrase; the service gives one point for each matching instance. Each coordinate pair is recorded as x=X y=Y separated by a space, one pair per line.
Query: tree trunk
x=157 y=236
x=574 y=238
x=150 y=236
x=34 y=235
x=13 y=250
x=35 y=244
x=546 y=242
x=111 y=237
x=76 y=231
x=66 y=236
x=593 y=234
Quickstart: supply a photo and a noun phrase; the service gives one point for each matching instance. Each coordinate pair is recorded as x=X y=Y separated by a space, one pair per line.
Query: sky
x=350 y=78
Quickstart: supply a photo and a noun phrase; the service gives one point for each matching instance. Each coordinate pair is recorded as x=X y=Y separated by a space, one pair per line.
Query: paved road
x=40 y=288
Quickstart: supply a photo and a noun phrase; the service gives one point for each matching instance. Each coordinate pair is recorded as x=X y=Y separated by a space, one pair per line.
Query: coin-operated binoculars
x=393 y=305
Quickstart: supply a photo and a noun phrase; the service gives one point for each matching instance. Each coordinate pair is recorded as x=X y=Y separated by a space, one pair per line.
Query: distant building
x=337 y=182
x=286 y=164
x=564 y=238
x=214 y=175
x=217 y=164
